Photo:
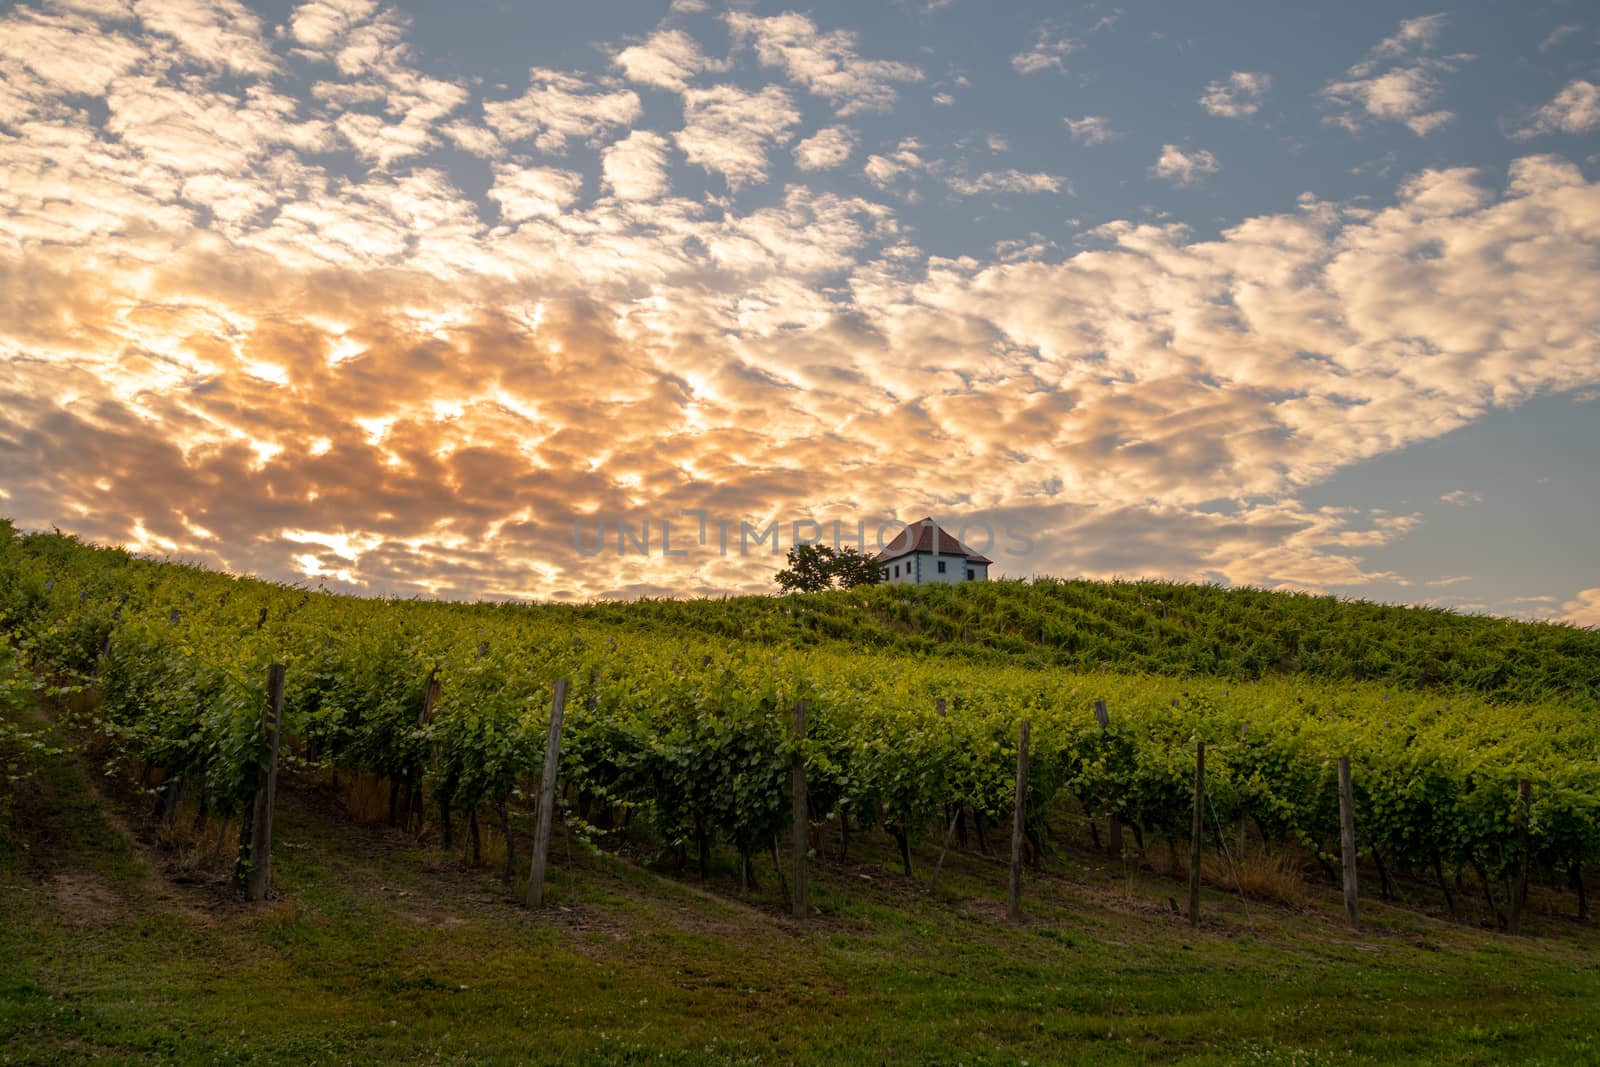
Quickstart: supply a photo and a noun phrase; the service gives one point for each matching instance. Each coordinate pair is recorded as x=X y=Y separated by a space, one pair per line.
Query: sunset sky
x=421 y=298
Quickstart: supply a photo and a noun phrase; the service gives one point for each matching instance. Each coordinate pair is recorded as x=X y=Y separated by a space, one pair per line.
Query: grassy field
x=118 y=946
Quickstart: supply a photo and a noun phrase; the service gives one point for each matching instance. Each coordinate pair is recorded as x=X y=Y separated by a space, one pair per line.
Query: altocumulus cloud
x=373 y=378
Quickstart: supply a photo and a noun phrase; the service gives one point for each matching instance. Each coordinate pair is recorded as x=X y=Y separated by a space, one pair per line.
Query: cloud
x=1401 y=95
x=1418 y=33
x=666 y=60
x=386 y=109
x=475 y=139
x=1091 y=129
x=1583 y=610
x=560 y=107
x=222 y=34
x=1559 y=34
x=635 y=168
x=827 y=64
x=1237 y=97
x=825 y=149
x=1396 y=82
x=1047 y=52
x=1390 y=340
x=319 y=24
x=1184 y=168
x=1575 y=109
x=533 y=192
x=1462 y=498
x=729 y=130
x=884 y=170
x=383 y=374
x=1006 y=181
x=192 y=130
x=57 y=50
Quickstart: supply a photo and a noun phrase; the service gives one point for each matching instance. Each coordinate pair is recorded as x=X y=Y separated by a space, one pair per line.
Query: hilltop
x=1078 y=625
x=1157 y=627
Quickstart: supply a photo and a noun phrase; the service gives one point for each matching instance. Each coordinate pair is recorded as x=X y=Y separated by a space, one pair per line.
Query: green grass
x=380 y=949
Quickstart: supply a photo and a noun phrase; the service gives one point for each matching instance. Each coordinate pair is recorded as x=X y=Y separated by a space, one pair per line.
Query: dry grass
x=366 y=797
x=366 y=800
x=492 y=848
x=1277 y=876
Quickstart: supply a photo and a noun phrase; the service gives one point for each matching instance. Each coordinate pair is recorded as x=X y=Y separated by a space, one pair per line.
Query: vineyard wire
x=1238 y=883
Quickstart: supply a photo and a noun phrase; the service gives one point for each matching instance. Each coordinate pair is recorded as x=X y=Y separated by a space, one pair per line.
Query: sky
x=572 y=301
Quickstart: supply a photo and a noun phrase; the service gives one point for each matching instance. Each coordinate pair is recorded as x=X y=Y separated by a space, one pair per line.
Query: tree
x=810 y=569
x=852 y=568
x=813 y=568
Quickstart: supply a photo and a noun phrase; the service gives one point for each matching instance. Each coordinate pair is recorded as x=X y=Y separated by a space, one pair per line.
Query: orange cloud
x=214 y=342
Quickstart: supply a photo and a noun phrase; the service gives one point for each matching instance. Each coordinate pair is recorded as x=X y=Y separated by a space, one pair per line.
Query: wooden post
x=1102 y=715
x=1347 y=841
x=777 y=865
x=430 y=700
x=1019 y=827
x=802 y=818
x=1197 y=830
x=1244 y=729
x=547 y=797
x=952 y=811
x=1519 y=891
x=949 y=835
x=260 y=878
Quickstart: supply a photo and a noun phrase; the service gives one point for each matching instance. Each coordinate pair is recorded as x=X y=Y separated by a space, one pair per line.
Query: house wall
x=955 y=569
x=907 y=564
x=924 y=567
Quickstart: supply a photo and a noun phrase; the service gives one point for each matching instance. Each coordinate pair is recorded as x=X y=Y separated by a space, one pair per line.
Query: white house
x=925 y=553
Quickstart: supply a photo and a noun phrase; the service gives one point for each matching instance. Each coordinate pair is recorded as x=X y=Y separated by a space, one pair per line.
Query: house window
x=897 y=570
x=941 y=566
x=969 y=574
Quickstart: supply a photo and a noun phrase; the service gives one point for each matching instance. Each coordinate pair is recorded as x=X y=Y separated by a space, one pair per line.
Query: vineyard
x=687 y=731
x=1157 y=628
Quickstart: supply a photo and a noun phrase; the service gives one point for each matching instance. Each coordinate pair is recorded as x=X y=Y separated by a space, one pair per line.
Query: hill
x=1161 y=628
x=1128 y=627
x=133 y=696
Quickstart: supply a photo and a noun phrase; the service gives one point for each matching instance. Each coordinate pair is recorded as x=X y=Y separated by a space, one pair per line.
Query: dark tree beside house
x=813 y=568
x=852 y=568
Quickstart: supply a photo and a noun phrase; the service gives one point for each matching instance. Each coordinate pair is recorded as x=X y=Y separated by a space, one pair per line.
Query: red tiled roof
x=919 y=537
